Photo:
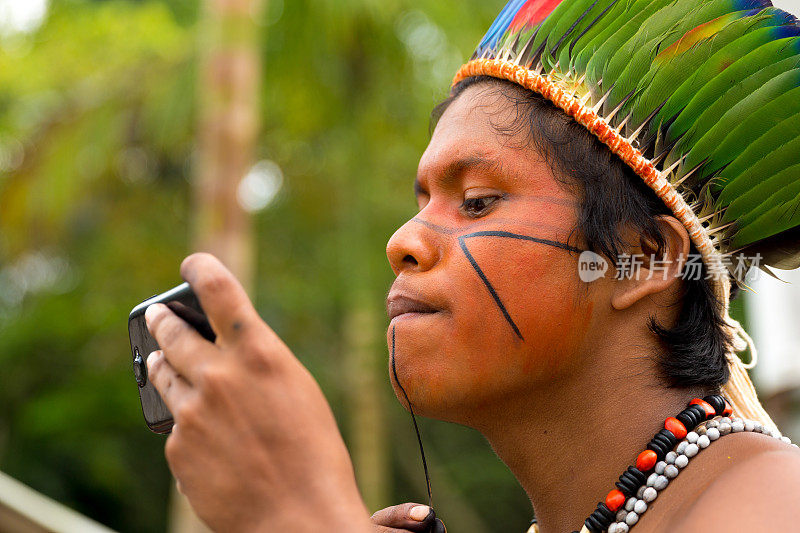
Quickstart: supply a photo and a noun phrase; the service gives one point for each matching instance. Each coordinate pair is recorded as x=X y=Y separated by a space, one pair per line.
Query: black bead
x=701 y=413
x=717 y=402
x=630 y=481
x=637 y=474
x=699 y=410
x=627 y=486
x=693 y=417
x=593 y=525
x=670 y=436
x=687 y=420
x=664 y=441
x=607 y=514
x=601 y=520
x=659 y=448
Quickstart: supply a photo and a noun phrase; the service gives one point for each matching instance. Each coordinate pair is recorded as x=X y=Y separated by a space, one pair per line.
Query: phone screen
x=183 y=302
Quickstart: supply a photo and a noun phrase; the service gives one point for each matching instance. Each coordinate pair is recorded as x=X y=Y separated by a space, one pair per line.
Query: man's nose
x=413 y=247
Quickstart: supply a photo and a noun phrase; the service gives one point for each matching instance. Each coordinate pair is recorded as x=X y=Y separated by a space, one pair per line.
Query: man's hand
x=255 y=446
x=407 y=517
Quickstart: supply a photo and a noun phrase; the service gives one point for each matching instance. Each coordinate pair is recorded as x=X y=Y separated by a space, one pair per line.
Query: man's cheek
x=531 y=302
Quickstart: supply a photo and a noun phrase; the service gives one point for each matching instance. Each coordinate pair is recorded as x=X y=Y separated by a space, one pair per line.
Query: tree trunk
x=366 y=371
x=228 y=97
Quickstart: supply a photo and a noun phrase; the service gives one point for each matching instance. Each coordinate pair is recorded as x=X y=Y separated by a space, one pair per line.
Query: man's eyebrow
x=453 y=170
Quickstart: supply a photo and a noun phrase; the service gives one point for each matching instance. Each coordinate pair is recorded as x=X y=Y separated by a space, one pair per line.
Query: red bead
x=615 y=500
x=728 y=409
x=646 y=460
x=710 y=411
x=676 y=427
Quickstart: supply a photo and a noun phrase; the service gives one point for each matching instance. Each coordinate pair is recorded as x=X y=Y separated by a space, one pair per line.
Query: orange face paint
x=489 y=266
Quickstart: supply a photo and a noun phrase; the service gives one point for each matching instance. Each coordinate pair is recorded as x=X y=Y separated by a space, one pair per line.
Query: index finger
x=222 y=297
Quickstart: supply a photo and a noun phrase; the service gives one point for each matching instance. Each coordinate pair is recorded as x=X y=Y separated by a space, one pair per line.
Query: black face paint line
x=478 y=270
x=414 y=420
x=507 y=235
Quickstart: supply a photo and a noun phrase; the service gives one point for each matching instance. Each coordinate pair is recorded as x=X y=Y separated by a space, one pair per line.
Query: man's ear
x=651 y=272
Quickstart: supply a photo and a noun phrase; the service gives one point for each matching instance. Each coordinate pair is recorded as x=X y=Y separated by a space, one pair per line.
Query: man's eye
x=475 y=207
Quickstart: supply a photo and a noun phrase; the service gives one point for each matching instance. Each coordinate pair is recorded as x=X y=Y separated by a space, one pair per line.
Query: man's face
x=488 y=299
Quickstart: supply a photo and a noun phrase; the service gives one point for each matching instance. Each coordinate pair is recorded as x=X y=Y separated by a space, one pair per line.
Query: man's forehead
x=475 y=131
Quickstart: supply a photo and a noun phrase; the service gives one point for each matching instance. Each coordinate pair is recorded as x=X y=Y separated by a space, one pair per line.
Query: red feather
x=532 y=13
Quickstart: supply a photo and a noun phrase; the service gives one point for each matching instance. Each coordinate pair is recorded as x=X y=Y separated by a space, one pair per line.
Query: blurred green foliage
x=97 y=125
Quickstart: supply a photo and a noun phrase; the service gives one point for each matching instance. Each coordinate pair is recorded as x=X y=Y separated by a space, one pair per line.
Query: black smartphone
x=184 y=303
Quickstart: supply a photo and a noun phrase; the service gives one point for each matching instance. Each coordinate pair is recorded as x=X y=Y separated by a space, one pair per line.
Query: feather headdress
x=701 y=98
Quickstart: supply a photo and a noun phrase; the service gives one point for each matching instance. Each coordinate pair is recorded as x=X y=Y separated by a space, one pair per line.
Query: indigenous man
x=598 y=173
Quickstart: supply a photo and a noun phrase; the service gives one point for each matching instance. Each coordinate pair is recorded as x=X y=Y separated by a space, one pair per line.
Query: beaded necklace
x=667 y=453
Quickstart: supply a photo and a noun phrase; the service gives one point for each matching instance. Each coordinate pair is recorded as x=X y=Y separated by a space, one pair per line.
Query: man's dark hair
x=614 y=197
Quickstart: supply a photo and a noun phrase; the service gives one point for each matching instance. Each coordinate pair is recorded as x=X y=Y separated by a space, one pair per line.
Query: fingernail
x=151 y=359
x=419 y=513
x=152 y=311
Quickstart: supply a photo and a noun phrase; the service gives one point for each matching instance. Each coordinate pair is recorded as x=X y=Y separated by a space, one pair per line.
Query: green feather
x=585 y=46
x=669 y=72
x=599 y=9
x=597 y=59
x=749 y=141
x=756 y=63
x=722 y=116
x=723 y=59
x=631 y=64
x=762 y=197
x=564 y=13
x=785 y=215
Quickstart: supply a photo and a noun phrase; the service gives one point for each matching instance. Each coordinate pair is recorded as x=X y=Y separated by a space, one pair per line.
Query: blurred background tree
x=98 y=153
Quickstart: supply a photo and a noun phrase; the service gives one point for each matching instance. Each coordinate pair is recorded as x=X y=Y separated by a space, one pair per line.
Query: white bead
x=692 y=437
x=724 y=428
x=749 y=425
x=630 y=503
x=639 y=492
x=703 y=441
x=622 y=528
x=681 y=446
x=632 y=518
x=713 y=434
x=786 y=439
x=671 y=471
x=651 y=479
x=775 y=433
x=621 y=514
x=640 y=507
x=670 y=458
x=737 y=426
x=681 y=461
x=691 y=450
x=660 y=466
x=712 y=424
x=649 y=494
x=724 y=420
x=613 y=528
x=757 y=427
x=661 y=483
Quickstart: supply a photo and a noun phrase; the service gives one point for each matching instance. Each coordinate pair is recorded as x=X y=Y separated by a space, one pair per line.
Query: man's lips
x=397 y=305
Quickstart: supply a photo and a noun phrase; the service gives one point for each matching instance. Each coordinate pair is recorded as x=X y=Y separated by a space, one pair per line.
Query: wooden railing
x=23 y=510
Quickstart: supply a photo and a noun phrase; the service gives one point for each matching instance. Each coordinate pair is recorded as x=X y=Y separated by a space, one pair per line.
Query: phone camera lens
x=139 y=368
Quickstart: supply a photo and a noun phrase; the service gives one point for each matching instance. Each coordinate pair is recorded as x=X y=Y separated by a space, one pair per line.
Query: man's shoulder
x=760 y=491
